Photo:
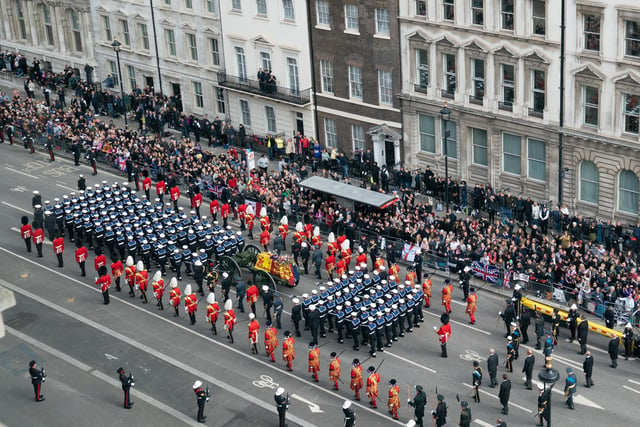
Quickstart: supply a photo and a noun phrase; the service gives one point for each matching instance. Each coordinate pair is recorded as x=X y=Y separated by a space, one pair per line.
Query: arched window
x=20 y=16
x=628 y=188
x=589 y=182
x=48 y=25
x=76 y=34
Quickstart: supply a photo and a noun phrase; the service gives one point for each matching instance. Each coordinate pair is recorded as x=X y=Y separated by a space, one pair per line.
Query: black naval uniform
x=282 y=403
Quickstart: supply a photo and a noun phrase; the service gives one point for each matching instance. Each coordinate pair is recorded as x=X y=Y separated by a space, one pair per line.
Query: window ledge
x=323 y=27
x=288 y=21
x=352 y=32
x=262 y=17
x=236 y=11
x=478 y=165
x=382 y=36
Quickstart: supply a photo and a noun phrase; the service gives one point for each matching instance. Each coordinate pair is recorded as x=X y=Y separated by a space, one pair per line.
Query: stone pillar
x=61 y=23
x=33 y=18
x=7 y=300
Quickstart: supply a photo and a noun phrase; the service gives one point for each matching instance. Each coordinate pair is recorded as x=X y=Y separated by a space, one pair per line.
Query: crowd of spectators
x=592 y=260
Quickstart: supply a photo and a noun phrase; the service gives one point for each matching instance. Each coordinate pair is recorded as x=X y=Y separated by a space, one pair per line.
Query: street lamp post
x=549 y=377
x=116 y=47
x=445 y=116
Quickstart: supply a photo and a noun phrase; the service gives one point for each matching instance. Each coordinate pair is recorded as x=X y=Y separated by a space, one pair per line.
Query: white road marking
x=46 y=242
x=581 y=400
x=65 y=187
x=631 y=389
x=312 y=406
x=410 y=362
x=16 y=207
x=199 y=335
x=635 y=382
x=459 y=323
x=483 y=423
x=22 y=173
x=101 y=376
x=496 y=397
x=164 y=357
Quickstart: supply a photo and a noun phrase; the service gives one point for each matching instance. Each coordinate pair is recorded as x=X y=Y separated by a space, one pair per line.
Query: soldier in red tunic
x=130 y=275
x=160 y=187
x=288 y=350
x=254 y=327
x=190 y=304
x=38 y=238
x=270 y=340
x=265 y=222
x=175 y=196
x=229 y=319
x=214 y=205
x=196 y=201
x=283 y=228
x=26 y=231
x=58 y=248
x=213 y=309
x=157 y=285
x=249 y=219
x=116 y=271
x=142 y=279
x=104 y=281
x=265 y=236
x=81 y=256
x=101 y=260
x=225 y=209
x=174 y=295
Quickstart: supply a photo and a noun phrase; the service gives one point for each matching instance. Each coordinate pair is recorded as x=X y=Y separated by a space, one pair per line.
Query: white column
x=32 y=17
x=61 y=23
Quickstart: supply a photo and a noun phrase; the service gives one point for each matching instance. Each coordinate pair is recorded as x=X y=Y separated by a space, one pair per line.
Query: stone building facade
x=497 y=64
x=357 y=76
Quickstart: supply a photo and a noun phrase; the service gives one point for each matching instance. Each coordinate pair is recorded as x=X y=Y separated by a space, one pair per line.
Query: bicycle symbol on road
x=470 y=356
x=265 y=381
x=19 y=189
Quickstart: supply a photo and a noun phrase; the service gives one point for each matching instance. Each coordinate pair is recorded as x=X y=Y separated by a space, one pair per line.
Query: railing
x=259 y=88
x=536 y=113
x=446 y=93
x=475 y=99
x=506 y=106
x=422 y=88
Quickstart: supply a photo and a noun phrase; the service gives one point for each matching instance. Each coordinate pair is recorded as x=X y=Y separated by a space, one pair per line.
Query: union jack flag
x=487 y=272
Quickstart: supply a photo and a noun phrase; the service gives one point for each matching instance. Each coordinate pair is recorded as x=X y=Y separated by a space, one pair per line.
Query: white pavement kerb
x=164 y=357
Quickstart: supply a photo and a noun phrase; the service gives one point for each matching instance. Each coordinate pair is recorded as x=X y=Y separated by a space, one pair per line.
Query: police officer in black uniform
x=127 y=383
x=38 y=376
x=282 y=404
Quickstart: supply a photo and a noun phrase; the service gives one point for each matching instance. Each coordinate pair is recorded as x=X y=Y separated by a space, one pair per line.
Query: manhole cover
x=24 y=275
